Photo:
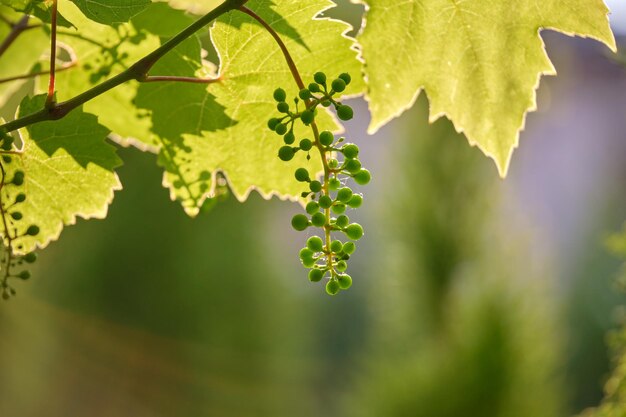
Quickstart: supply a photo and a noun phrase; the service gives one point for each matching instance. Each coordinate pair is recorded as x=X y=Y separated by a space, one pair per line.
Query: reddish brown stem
x=34 y=74
x=53 y=55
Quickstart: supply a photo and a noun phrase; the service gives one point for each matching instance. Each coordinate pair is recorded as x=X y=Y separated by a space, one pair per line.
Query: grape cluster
x=11 y=197
x=328 y=199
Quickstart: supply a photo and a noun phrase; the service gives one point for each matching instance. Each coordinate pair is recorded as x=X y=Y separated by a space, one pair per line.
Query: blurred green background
x=472 y=296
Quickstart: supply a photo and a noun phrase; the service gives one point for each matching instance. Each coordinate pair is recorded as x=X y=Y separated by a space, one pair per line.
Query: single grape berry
x=314 y=88
x=318 y=219
x=306 y=144
x=333 y=163
x=326 y=103
x=320 y=78
x=306 y=253
x=304 y=94
x=326 y=138
x=315 y=186
x=349 y=248
x=335 y=246
x=338 y=85
x=344 y=281
x=271 y=123
x=30 y=257
x=308 y=262
x=344 y=194
x=307 y=117
x=24 y=275
x=341 y=266
x=352 y=166
x=289 y=138
x=285 y=153
x=334 y=184
x=362 y=177
x=356 y=201
x=350 y=150
x=282 y=107
x=302 y=175
x=345 y=77
x=338 y=208
x=18 y=178
x=20 y=198
x=312 y=207
x=16 y=215
x=299 y=222
x=315 y=243
x=280 y=94
x=332 y=287
x=344 y=112
x=325 y=201
x=354 y=231
x=280 y=128
x=316 y=275
x=342 y=221
x=7 y=159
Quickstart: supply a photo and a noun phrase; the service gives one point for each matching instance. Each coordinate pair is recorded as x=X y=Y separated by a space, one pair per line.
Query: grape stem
x=309 y=104
x=16 y=30
x=138 y=71
x=53 y=55
x=60 y=68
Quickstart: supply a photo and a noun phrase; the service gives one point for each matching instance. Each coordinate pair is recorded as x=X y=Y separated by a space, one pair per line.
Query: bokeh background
x=473 y=296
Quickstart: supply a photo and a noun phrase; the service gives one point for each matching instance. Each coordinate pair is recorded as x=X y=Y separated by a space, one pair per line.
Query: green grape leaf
x=111 y=11
x=226 y=130
x=479 y=61
x=69 y=173
x=38 y=8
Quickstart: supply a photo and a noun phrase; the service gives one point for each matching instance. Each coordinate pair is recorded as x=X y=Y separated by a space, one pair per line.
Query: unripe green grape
x=304 y=94
x=24 y=275
x=306 y=253
x=33 y=230
x=338 y=85
x=332 y=287
x=314 y=88
x=20 y=198
x=280 y=128
x=30 y=257
x=315 y=243
x=308 y=262
x=315 y=186
x=306 y=144
x=312 y=207
x=289 y=138
x=326 y=138
x=285 y=153
x=16 y=215
x=341 y=266
x=349 y=248
x=282 y=107
x=7 y=159
x=352 y=166
x=342 y=221
x=344 y=112
x=356 y=201
x=272 y=123
x=350 y=150
x=280 y=94
x=7 y=143
x=318 y=219
x=335 y=246
x=334 y=184
x=307 y=117
x=354 y=231
x=325 y=201
x=344 y=194
x=316 y=275
x=326 y=103
x=299 y=222
x=18 y=178
x=344 y=281
x=338 y=208
x=362 y=177
x=345 y=77
x=320 y=78
x=302 y=175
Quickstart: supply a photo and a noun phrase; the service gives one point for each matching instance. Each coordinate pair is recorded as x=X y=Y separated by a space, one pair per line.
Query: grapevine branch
x=298 y=79
x=16 y=30
x=138 y=71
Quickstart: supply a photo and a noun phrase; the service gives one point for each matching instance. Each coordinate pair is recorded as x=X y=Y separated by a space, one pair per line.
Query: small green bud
x=271 y=123
x=349 y=248
x=326 y=138
x=289 y=138
x=341 y=266
x=332 y=287
x=315 y=186
x=280 y=94
x=325 y=201
x=315 y=243
x=354 y=231
x=24 y=275
x=338 y=208
x=344 y=281
x=350 y=150
x=312 y=207
x=356 y=201
x=299 y=222
x=344 y=194
x=318 y=219
x=314 y=88
x=334 y=184
x=342 y=221
x=302 y=175
x=282 y=107
x=16 y=215
x=306 y=144
x=352 y=166
x=20 y=198
x=344 y=112
x=285 y=153
x=308 y=262
x=280 y=128
x=316 y=275
x=320 y=78
x=304 y=94
x=306 y=253
x=307 y=117
x=7 y=159
x=362 y=177
x=345 y=77
x=338 y=85
x=335 y=246
x=30 y=257
x=333 y=163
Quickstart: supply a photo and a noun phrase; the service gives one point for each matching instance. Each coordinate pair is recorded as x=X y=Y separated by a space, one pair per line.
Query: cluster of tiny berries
x=10 y=215
x=325 y=257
